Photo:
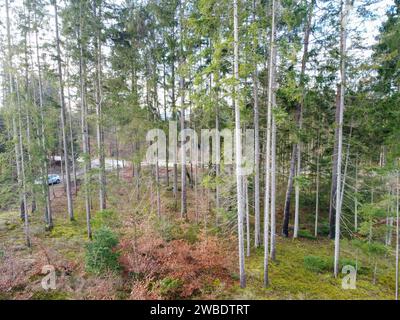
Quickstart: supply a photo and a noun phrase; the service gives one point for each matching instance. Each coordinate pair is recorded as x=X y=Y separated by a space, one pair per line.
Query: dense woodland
x=83 y=82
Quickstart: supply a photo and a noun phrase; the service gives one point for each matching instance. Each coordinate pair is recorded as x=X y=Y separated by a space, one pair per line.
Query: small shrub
x=316 y=264
x=191 y=234
x=306 y=234
x=356 y=264
x=324 y=264
x=174 y=231
x=100 y=253
x=104 y=218
x=323 y=229
x=170 y=231
x=370 y=248
x=170 y=288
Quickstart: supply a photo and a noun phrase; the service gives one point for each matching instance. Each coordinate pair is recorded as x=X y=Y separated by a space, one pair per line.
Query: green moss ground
x=290 y=279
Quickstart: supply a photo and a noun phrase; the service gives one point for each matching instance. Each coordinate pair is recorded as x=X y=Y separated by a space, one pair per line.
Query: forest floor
x=170 y=257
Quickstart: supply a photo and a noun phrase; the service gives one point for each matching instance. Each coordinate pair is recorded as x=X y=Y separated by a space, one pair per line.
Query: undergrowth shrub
x=100 y=253
x=104 y=218
x=325 y=264
x=306 y=234
x=195 y=265
x=316 y=264
x=174 y=231
x=170 y=288
x=323 y=229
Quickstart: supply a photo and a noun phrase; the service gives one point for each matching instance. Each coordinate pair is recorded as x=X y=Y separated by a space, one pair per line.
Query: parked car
x=51 y=179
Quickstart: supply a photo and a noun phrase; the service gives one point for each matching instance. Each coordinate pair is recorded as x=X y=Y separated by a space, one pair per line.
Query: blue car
x=51 y=179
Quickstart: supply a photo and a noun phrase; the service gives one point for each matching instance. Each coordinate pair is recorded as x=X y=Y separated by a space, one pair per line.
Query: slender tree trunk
x=257 y=226
x=286 y=212
x=63 y=130
x=71 y=136
x=356 y=200
x=257 y=223
x=246 y=192
x=84 y=125
x=23 y=177
x=99 y=122
x=14 y=122
x=238 y=147
x=344 y=16
x=44 y=167
x=27 y=113
x=300 y=118
x=397 y=234
x=117 y=151
x=175 y=165
x=217 y=166
x=334 y=168
x=271 y=69
x=346 y=166
x=158 y=189
x=273 y=163
x=165 y=119
x=182 y=93
x=317 y=188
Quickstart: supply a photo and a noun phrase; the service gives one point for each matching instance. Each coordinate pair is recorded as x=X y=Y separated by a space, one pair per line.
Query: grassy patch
x=49 y=295
x=291 y=278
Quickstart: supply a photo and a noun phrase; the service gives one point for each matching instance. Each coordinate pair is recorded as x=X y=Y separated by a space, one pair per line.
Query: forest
x=199 y=149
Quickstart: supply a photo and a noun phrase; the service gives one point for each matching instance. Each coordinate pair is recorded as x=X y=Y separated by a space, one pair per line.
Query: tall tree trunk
x=63 y=130
x=28 y=99
x=343 y=27
x=217 y=165
x=346 y=164
x=238 y=147
x=71 y=136
x=273 y=162
x=334 y=168
x=246 y=192
x=23 y=177
x=270 y=94
x=257 y=223
x=14 y=122
x=356 y=198
x=158 y=189
x=175 y=165
x=307 y=32
x=397 y=233
x=317 y=187
x=182 y=94
x=286 y=210
x=165 y=119
x=99 y=120
x=44 y=167
x=117 y=151
x=84 y=125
